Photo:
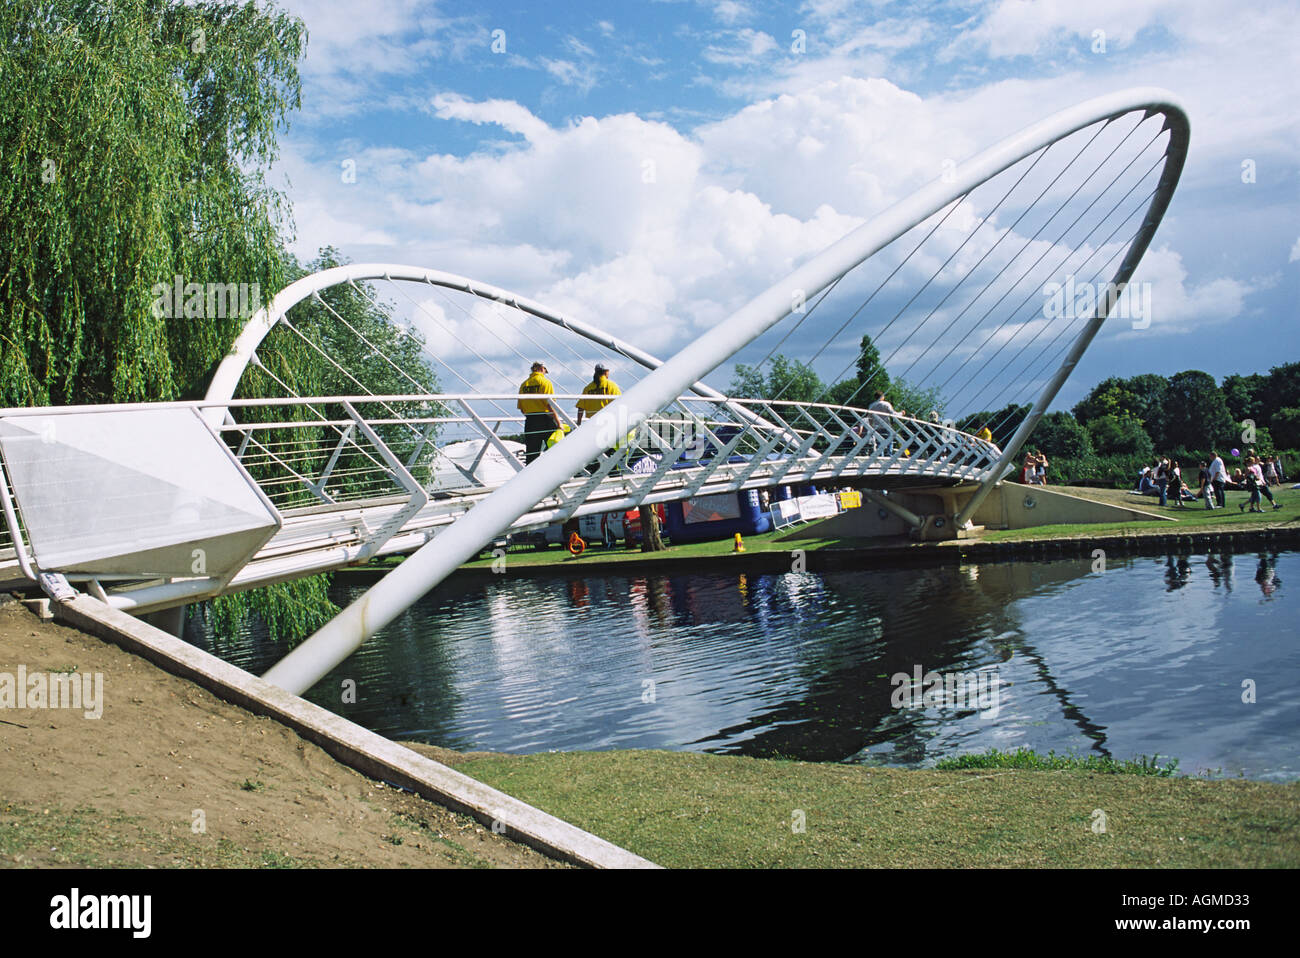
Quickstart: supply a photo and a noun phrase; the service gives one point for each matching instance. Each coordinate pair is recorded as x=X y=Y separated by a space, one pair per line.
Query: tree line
x=1119 y=423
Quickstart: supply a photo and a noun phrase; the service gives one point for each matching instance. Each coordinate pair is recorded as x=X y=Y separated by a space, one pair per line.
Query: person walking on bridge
x=600 y=386
x=884 y=431
x=540 y=419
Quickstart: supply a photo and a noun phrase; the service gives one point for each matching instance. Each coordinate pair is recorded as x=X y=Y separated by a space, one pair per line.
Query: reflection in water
x=1146 y=657
x=1266 y=575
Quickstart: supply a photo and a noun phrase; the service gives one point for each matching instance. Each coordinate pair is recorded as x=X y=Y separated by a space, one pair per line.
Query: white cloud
x=506 y=114
x=656 y=233
x=1017 y=28
x=740 y=47
x=580 y=76
x=1178 y=306
x=856 y=144
x=350 y=59
x=731 y=11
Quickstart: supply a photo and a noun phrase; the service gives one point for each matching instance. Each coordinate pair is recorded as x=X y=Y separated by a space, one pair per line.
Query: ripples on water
x=1147 y=657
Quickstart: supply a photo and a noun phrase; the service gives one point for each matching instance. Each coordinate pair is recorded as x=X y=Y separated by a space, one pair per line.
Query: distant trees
x=871 y=372
x=1286 y=428
x=1120 y=435
x=1134 y=417
x=1190 y=411
x=1060 y=435
x=1003 y=422
x=788 y=380
x=1196 y=414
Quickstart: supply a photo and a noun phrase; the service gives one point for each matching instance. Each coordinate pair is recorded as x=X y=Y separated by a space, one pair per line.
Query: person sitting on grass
x=1142 y=473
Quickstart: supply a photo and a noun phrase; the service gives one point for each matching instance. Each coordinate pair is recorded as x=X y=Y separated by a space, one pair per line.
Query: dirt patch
x=169 y=775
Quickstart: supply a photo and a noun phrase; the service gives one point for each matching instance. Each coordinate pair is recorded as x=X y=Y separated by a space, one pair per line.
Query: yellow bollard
x=740 y=544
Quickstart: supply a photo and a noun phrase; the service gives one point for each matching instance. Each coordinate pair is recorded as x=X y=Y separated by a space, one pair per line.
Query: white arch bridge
x=278 y=474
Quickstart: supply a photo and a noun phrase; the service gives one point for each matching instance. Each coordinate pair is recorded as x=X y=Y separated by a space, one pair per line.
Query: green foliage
x=134 y=139
x=871 y=373
x=1060 y=434
x=1024 y=758
x=1281 y=390
x=1111 y=472
x=1142 y=398
x=1120 y=435
x=1003 y=422
x=917 y=402
x=291 y=610
x=1197 y=415
x=787 y=379
x=846 y=393
x=1263 y=443
x=1244 y=396
x=1286 y=428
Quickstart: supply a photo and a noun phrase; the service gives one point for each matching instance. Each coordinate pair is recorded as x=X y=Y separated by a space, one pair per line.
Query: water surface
x=1149 y=656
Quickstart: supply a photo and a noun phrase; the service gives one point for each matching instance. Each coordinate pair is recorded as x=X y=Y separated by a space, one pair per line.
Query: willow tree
x=135 y=140
x=135 y=137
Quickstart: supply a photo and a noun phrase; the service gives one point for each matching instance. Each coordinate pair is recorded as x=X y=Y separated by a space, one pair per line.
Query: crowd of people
x=1034 y=471
x=1164 y=478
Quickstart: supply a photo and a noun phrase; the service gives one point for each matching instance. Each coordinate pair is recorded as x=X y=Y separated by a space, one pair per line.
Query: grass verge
x=691 y=810
x=86 y=837
x=1025 y=758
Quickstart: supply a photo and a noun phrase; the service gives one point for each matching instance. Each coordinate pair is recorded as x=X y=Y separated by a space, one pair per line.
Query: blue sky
x=498 y=140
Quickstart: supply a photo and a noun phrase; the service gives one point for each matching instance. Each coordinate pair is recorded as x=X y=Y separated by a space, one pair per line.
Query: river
x=1186 y=656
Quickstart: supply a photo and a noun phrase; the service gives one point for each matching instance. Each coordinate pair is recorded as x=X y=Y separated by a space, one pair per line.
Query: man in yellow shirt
x=600 y=385
x=540 y=419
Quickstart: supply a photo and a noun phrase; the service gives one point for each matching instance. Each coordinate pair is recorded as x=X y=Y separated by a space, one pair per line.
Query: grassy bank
x=1192 y=519
x=690 y=810
x=170 y=776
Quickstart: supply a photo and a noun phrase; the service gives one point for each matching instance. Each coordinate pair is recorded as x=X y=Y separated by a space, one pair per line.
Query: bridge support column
x=897 y=508
x=171 y=621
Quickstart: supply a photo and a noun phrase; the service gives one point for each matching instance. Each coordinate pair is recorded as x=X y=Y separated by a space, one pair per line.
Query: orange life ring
x=576 y=544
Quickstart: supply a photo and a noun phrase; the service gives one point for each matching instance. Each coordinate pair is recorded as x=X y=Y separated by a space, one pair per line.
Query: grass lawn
x=1194 y=517
x=689 y=810
x=558 y=556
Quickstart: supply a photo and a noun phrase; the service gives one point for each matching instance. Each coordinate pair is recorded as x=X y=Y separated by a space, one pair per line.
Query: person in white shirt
x=883 y=431
x=1218 y=477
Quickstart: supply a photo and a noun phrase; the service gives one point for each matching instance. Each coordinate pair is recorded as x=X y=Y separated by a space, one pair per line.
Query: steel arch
x=311 y=660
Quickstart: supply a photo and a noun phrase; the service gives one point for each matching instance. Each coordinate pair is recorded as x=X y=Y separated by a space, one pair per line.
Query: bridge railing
x=355 y=449
x=358 y=476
